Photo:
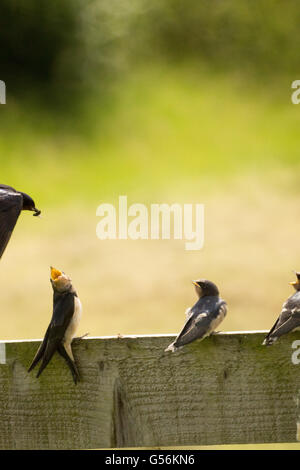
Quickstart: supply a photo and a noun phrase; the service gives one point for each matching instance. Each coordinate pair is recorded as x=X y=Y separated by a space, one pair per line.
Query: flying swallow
x=289 y=318
x=12 y=202
x=204 y=317
x=64 y=322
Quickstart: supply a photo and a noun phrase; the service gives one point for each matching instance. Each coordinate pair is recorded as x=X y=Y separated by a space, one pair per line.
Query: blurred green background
x=162 y=101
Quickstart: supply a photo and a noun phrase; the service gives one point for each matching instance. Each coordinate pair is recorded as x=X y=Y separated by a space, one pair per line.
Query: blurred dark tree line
x=60 y=47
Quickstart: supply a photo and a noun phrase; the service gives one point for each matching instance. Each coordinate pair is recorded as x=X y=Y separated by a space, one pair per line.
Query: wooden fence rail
x=226 y=389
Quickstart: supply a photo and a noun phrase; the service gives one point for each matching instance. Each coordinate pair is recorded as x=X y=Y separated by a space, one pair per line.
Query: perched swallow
x=64 y=322
x=204 y=317
x=289 y=318
x=12 y=202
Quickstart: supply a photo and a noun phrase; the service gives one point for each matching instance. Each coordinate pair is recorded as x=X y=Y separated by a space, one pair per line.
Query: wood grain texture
x=227 y=389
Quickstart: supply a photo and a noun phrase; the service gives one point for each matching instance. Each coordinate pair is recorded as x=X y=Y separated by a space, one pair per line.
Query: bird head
x=204 y=287
x=29 y=205
x=296 y=284
x=59 y=280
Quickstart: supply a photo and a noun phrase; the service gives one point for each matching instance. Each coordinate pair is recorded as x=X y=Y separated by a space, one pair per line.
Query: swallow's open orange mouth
x=55 y=273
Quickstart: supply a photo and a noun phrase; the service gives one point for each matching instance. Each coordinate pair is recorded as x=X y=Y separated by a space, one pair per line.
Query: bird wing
x=289 y=322
x=40 y=351
x=288 y=319
x=283 y=318
x=188 y=312
x=10 y=207
x=200 y=324
x=62 y=314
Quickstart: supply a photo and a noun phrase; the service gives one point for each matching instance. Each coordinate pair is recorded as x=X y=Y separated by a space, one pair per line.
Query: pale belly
x=74 y=323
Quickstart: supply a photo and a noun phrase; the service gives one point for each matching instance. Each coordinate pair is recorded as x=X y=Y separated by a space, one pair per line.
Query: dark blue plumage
x=204 y=317
x=12 y=202
x=63 y=324
x=289 y=318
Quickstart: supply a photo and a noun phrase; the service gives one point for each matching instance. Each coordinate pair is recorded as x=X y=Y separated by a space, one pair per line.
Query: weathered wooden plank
x=226 y=389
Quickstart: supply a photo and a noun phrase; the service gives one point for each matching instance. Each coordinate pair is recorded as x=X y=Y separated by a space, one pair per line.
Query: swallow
x=204 y=317
x=63 y=325
x=12 y=202
x=289 y=318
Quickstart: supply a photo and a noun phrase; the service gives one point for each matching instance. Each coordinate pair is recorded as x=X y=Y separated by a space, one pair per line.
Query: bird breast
x=219 y=318
x=72 y=328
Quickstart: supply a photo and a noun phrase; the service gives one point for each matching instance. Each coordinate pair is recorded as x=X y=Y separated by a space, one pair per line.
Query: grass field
x=166 y=132
x=170 y=135
x=144 y=286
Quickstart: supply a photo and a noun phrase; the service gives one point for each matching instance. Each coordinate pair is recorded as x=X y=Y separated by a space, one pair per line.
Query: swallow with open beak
x=289 y=318
x=12 y=202
x=64 y=322
x=204 y=317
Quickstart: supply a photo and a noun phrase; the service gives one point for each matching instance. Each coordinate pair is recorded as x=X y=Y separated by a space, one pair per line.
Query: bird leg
x=79 y=338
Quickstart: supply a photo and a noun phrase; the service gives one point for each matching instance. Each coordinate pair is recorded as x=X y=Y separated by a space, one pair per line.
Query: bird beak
x=55 y=273
x=294 y=283
x=195 y=283
x=36 y=212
